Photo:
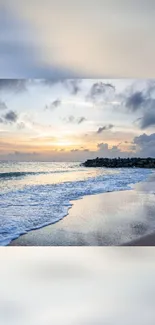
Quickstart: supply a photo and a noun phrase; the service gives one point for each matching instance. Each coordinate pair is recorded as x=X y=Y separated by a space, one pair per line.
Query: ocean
x=36 y=194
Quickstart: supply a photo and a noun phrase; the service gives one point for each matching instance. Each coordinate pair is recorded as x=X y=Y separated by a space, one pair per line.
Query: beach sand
x=117 y=218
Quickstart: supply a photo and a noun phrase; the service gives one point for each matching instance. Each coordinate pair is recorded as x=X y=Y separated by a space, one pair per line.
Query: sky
x=75 y=119
x=77 y=39
x=81 y=79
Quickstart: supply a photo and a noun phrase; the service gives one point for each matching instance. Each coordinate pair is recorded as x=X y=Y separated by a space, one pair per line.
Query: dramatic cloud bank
x=76 y=119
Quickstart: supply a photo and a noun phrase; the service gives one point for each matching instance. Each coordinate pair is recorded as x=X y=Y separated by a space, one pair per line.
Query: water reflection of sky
x=45 y=173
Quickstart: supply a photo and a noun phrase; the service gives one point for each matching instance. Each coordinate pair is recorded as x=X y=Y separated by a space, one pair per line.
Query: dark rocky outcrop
x=120 y=162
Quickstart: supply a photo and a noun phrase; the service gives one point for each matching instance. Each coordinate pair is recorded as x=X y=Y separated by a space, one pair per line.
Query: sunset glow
x=74 y=119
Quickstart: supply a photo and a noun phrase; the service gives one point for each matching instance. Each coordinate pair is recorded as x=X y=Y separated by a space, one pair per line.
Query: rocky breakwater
x=120 y=162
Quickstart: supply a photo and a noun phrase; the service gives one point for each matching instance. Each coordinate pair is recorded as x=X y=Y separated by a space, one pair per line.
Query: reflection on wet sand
x=104 y=219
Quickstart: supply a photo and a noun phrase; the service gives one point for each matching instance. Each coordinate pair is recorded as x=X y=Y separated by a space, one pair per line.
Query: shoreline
x=124 y=183
x=100 y=221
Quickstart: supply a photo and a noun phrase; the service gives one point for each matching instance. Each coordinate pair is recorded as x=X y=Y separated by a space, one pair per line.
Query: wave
x=16 y=174
x=11 y=175
x=36 y=206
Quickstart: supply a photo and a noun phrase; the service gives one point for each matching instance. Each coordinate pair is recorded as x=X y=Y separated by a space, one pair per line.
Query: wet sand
x=117 y=218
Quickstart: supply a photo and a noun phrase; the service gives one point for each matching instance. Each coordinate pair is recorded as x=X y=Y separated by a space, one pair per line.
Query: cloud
x=105 y=128
x=142 y=101
x=81 y=153
x=148 y=118
x=145 y=145
x=21 y=125
x=23 y=154
x=16 y=85
x=81 y=119
x=102 y=150
x=3 y=106
x=150 y=87
x=142 y=146
x=73 y=85
x=102 y=146
x=56 y=103
x=100 y=90
x=72 y=119
x=52 y=81
x=105 y=151
x=74 y=150
x=135 y=101
x=10 y=117
x=144 y=139
x=138 y=94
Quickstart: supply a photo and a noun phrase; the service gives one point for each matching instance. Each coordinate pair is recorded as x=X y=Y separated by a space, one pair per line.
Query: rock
x=121 y=162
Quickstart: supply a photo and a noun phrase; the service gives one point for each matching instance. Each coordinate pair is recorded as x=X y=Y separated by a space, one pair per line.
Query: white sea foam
x=35 y=201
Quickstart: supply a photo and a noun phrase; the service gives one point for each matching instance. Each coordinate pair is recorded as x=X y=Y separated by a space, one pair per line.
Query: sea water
x=36 y=194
